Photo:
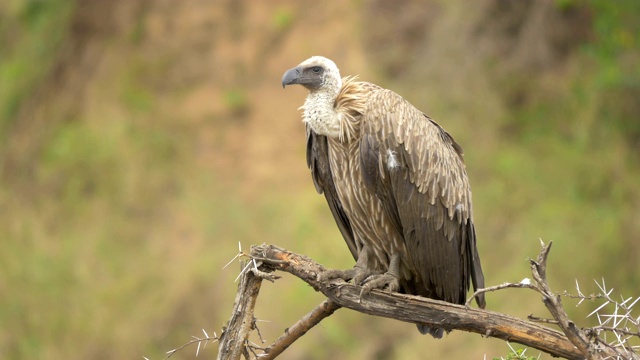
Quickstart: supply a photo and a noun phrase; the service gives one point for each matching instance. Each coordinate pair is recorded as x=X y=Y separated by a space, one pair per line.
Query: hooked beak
x=291 y=77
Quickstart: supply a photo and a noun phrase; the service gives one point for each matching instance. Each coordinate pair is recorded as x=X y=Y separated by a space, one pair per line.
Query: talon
x=362 y=292
x=386 y=280
x=360 y=278
x=357 y=274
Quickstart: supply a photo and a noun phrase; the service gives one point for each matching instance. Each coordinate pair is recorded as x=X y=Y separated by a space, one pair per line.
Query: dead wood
x=571 y=343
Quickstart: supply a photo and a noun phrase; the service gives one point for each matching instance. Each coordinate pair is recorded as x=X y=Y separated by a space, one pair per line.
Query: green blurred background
x=141 y=141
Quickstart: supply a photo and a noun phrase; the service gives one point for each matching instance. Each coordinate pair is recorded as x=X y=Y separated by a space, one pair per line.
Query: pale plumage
x=396 y=184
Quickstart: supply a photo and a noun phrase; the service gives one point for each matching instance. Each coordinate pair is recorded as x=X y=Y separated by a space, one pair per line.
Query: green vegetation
x=586 y=141
x=282 y=18
x=30 y=33
x=132 y=167
x=236 y=101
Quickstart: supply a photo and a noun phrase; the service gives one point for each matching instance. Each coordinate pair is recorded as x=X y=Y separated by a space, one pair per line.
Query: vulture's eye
x=316 y=69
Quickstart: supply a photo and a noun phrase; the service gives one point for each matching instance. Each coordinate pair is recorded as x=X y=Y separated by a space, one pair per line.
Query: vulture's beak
x=291 y=76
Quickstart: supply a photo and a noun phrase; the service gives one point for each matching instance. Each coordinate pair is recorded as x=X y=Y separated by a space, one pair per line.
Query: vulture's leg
x=387 y=280
x=359 y=273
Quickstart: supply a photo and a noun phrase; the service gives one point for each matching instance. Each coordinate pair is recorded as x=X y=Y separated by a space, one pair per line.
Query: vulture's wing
x=318 y=162
x=416 y=170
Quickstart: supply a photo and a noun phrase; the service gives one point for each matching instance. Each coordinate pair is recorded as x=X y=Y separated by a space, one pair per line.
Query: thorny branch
x=202 y=342
x=234 y=340
x=587 y=341
x=571 y=343
x=621 y=323
x=416 y=309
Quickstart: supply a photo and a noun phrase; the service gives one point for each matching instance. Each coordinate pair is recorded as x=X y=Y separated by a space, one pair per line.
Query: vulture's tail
x=435 y=332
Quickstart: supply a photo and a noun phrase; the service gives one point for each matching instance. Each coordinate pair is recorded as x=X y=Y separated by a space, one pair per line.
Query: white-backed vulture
x=396 y=184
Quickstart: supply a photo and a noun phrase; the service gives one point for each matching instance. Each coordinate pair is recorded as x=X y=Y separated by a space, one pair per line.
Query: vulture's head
x=316 y=74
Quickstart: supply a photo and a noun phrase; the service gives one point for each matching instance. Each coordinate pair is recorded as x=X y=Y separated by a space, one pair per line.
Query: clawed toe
x=357 y=274
x=368 y=279
x=384 y=281
x=331 y=274
x=361 y=277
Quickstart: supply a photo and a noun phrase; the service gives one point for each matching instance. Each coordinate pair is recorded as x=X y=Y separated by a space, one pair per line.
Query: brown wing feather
x=318 y=162
x=416 y=170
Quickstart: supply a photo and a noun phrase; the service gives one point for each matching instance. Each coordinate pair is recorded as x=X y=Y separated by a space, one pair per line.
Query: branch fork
x=264 y=260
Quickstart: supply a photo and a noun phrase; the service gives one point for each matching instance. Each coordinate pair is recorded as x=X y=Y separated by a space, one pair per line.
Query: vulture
x=396 y=184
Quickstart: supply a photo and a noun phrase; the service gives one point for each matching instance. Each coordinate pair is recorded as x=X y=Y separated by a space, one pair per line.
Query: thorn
x=198 y=349
x=599 y=308
x=616 y=316
x=229 y=263
x=624 y=301
x=580 y=294
x=243 y=271
x=633 y=303
x=205 y=333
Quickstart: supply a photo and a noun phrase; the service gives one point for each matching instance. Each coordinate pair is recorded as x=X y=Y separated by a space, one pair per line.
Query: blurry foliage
x=30 y=33
x=283 y=18
x=134 y=92
x=114 y=242
x=618 y=79
x=236 y=101
x=590 y=133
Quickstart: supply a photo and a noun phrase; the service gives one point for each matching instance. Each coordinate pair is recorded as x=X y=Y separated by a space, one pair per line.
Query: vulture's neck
x=320 y=113
x=336 y=110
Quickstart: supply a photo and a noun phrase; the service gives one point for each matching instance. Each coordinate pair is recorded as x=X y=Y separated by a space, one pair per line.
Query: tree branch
x=554 y=304
x=234 y=337
x=325 y=309
x=572 y=343
x=590 y=347
x=415 y=309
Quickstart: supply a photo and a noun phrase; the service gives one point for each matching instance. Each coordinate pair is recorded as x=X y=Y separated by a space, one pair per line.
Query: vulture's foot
x=359 y=273
x=356 y=273
x=384 y=281
x=389 y=280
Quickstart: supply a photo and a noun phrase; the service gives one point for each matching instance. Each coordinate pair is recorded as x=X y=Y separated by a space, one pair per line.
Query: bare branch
x=541 y=320
x=572 y=343
x=415 y=309
x=234 y=338
x=587 y=345
x=521 y=285
x=325 y=309
x=196 y=340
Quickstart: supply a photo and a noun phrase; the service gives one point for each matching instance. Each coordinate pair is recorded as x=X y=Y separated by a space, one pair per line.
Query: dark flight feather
x=318 y=162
